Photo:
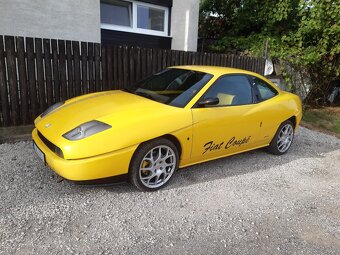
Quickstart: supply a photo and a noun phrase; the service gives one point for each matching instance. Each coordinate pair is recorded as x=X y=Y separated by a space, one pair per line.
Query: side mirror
x=209 y=101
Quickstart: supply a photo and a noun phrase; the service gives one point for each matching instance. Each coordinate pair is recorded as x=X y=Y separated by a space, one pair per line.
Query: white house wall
x=184 y=24
x=59 y=19
x=80 y=20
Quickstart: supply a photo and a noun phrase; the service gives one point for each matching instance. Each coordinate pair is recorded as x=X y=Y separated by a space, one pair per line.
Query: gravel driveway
x=253 y=203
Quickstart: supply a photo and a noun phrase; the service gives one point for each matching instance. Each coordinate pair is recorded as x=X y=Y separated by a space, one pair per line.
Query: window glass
x=150 y=18
x=231 y=90
x=266 y=91
x=172 y=86
x=115 y=12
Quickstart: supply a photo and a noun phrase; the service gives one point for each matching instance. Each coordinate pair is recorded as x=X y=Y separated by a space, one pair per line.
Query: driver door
x=231 y=125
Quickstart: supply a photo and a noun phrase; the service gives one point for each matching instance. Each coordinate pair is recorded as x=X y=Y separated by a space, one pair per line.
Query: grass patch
x=326 y=119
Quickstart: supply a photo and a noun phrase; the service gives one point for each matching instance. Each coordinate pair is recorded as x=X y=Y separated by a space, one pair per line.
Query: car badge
x=48 y=125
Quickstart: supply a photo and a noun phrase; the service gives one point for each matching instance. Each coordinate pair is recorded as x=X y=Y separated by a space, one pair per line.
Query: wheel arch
x=169 y=137
x=175 y=141
x=293 y=120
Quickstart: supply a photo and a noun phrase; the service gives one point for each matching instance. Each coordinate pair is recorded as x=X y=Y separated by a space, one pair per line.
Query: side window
x=266 y=91
x=231 y=90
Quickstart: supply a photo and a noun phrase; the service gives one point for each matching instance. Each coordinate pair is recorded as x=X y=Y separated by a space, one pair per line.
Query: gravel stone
x=252 y=203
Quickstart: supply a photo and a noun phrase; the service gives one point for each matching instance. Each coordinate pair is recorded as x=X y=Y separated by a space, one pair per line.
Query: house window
x=150 y=18
x=135 y=17
x=116 y=13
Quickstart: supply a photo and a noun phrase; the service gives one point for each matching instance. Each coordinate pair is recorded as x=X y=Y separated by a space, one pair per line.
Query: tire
x=283 y=139
x=153 y=164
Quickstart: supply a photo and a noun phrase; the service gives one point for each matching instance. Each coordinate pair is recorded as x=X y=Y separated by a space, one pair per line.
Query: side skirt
x=223 y=156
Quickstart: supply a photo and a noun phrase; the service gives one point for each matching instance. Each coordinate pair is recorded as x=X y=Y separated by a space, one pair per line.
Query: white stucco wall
x=59 y=19
x=80 y=20
x=184 y=24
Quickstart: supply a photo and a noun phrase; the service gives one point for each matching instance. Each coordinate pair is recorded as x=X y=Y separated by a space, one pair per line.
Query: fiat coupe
x=178 y=117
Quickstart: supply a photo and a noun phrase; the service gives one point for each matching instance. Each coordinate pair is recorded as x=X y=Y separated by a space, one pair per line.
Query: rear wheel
x=153 y=165
x=283 y=139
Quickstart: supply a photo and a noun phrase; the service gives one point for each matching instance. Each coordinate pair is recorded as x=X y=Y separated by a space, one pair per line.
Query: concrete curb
x=15 y=139
x=15 y=134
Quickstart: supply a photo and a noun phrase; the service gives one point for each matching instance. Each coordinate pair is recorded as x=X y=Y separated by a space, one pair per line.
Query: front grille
x=51 y=146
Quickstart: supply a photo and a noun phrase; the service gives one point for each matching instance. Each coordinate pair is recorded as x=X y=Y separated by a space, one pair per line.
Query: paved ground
x=253 y=203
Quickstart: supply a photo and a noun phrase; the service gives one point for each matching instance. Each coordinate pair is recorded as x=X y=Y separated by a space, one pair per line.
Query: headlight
x=51 y=108
x=85 y=130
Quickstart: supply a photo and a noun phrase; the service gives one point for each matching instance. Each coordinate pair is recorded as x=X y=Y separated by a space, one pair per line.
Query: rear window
x=266 y=91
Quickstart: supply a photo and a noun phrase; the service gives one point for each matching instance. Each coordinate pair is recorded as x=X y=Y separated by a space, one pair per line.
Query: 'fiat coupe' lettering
x=212 y=146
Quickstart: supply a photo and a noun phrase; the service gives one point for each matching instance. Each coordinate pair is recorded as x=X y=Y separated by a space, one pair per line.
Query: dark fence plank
x=120 y=74
x=149 y=62
x=125 y=67
x=76 y=62
x=132 y=65
x=159 y=60
x=181 y=57
x=62 y=69
x=116 y=63
x=229 y=61
x=143 y=63
x=91 y=67
x=253 y=65
x=48 y=71
x=154 y=60
x=5 y=117
x=31 y=77
x=163 y=58
x=97 y=67
x=109 y=68
x=104 y=84
x=70 y=70
x=40 y=74
x=138 y=64
x=12 y=79
x=84 y=73
x=168 y=57
x=177 y=58
x=55 y=62
x=22 y=80
x=258 y=64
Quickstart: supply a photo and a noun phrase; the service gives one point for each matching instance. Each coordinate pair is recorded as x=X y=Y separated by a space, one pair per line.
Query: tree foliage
x=304 y=33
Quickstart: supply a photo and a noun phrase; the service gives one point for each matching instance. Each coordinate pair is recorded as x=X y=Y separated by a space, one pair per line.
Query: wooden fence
x=35 y=73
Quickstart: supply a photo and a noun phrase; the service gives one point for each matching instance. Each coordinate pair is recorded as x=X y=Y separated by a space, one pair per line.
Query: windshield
x=172 y=86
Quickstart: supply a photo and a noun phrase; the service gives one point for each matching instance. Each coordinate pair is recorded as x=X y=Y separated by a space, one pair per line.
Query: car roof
x=215 y=70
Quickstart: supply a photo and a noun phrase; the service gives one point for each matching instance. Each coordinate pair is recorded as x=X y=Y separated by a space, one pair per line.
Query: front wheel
x=283 y=139
x=153 y=165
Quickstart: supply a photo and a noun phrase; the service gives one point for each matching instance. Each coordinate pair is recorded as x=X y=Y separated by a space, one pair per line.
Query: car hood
x=133 y=118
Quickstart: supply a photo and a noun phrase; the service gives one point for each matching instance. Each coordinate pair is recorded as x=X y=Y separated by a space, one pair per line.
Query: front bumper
x=92 y=168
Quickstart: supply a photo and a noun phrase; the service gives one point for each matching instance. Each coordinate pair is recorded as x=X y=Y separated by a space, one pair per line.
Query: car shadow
x=304 y=146
x=307 y=144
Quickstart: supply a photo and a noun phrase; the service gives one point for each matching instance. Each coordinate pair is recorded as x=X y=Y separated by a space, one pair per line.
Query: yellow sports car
x=181 y=116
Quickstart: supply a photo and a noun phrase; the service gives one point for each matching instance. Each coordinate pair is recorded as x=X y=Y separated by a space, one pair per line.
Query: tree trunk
x=319 y=91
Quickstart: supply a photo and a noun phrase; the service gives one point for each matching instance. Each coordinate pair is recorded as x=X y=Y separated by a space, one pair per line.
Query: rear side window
x=266 y=91
x=231 y=90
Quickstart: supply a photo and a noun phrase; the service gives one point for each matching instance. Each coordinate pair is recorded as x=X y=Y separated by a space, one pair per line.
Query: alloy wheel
x=285 y=138
x=157 y=166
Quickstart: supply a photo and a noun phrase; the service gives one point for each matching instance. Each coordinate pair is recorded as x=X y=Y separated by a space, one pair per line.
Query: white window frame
x=134 y=28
